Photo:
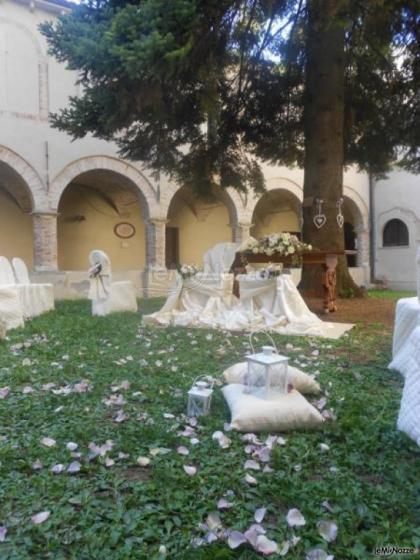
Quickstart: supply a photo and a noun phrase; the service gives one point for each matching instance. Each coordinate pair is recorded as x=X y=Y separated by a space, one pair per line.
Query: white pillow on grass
x=301 y=381
x=282 y=413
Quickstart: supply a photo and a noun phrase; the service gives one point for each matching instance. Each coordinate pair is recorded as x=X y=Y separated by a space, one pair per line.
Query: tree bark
x=324 y=142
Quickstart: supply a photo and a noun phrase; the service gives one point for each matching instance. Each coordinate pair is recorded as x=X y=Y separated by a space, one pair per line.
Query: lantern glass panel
x=199 y=400
x=267 y=373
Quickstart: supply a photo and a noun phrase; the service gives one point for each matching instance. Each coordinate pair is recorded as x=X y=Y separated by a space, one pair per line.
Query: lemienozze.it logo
x=391 y=550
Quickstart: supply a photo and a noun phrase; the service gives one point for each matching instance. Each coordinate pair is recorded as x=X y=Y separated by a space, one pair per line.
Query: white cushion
x=301 y=381
x=11 y=311
x=279 y=414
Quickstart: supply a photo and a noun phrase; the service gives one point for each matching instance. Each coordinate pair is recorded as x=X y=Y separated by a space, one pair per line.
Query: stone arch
x=147 y=195
x=276 y=183
x=358 y=204
x=35 y=186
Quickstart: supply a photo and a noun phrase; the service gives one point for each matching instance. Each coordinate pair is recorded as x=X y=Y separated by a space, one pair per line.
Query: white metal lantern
x=267 y=373
x=199 y=396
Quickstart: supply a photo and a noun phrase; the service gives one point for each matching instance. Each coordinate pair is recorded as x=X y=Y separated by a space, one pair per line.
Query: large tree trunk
x=324 y=147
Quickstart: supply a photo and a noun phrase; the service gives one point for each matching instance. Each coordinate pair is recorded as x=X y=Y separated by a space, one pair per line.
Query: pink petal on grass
x=190 y=470
x=253 y=532
x=74 y=467
x=182 y=450
x=3 y=533
x=143 y=461
x=266 y=546
x=260 y=514
x=235 y=539
x=318 y=554
x=295 y=518
x=40 y=517
x=327 y=529
x=57 y=469
x=213 y=521
x=4 y=392
x=71 y=446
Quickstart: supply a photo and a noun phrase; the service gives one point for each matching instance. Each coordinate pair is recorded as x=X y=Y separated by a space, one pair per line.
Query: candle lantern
x=199 y=396
x=267 y=373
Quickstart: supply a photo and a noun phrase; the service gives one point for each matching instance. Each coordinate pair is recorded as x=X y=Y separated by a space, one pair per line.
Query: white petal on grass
x=74 y=467
x=252 y=465
x=40 y=517
x=326 y=504
x=143 y=461
x=260 y=514
x=295 y=518
x=4 y=392
x=327 y=529
x=318 y=554
x=120 y=416
x=37 y=465
x=211 y=537
x=324 y=447
x=48 y=442
x=109 y=462
x=235 y=539
x=250 y=480
x=182 y=450
x=213 y=521
x=253 y=532
x=58 y=468
x=190 y=470
x=224 y=504
x=284 y=548
x=266 y=546
x=71 y=446
x=3 y=533
x=223 y=441
x=194 y=441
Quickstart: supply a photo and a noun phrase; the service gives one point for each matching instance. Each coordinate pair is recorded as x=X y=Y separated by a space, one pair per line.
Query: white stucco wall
x=398 y=197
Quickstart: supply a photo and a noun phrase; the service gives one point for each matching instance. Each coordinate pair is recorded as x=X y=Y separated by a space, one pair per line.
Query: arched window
x=395 y=234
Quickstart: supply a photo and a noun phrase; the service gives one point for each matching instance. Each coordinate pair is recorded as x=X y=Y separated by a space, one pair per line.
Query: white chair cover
x=11 y=312
x=220 y=258
x=107 y=296
x=407 y=319
x=36 y=299
x=418 y=273
x=7 y=278
x=409 y=414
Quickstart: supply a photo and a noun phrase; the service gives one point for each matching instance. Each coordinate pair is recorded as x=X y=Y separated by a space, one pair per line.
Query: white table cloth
x=11 y=312
x=407 y=319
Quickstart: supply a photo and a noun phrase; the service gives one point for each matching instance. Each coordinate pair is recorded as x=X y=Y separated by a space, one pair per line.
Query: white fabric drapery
x=107 y=296
x=35 y=298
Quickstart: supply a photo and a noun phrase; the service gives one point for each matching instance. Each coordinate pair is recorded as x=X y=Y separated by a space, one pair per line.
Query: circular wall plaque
x=124 y=230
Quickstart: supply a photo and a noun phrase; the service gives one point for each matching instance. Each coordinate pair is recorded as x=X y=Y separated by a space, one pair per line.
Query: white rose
x=290 y=249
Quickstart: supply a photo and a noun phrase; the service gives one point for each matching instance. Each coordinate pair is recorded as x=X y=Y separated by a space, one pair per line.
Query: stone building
x=59 y=199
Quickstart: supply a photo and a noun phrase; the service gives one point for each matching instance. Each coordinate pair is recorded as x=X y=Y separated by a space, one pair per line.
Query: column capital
x=38 y=212
x=156 y=221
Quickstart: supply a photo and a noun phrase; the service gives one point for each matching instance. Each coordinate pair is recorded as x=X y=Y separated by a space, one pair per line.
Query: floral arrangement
x=282 y=243
x=271 y=271
x=188 y=270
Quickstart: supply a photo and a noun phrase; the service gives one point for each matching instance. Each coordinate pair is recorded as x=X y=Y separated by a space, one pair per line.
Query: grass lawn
x=113 y=508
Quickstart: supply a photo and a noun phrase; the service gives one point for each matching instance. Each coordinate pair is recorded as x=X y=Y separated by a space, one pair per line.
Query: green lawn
x=114 y=509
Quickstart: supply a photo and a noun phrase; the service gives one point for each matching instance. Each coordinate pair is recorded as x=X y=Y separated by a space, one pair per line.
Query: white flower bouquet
x=188 y=270
x=271 y=271
x=282 y=243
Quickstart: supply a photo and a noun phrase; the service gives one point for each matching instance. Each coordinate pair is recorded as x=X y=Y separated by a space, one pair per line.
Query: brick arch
x=35 y=186
x=146 y=192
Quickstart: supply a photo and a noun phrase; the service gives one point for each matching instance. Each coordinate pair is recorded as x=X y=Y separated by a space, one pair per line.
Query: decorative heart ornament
x=320 y=220
x=340 y=220
x=340 y=217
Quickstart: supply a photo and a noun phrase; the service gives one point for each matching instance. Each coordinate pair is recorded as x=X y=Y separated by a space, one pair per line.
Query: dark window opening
x=395 y=234
x=172 y=247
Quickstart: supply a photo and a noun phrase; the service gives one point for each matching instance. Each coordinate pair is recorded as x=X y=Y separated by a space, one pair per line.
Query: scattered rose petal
x=295 y=518
x=48 y=442
x=3 y=533
x=235 y=539
x=71 y=446
x=27 y=389
x=327 y=506
x=182 y=450
x=250 y=480
x=40 y=517
x=120 y=416
x=260 y=514
x=194 y=441
x=211 y=537
x=190 y=470
x=37 y=465
x=168 y=416
x=284 y=548
x=213 y=521
x=4 y=392
x=223 y=441
x=327 y=529
x=224 y=504
x=74 y=467
x=324 y=447
x=143 y=461
x=57 y=469
x=266 y=546
x=253 y=532
x=251 y=464
x=109 y=462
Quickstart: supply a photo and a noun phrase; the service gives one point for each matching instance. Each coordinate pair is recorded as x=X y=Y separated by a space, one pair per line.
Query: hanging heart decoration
x=340 y=217
x=319 y=219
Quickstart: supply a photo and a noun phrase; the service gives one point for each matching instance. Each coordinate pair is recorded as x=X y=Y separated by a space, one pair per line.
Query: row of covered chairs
x=19 y=298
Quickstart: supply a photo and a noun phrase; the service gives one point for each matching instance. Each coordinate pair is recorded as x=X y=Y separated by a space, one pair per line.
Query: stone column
x=45 y=241
x=241 y=232
x=155 y=244
x=363 y=251
x=156 y=279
